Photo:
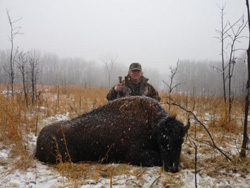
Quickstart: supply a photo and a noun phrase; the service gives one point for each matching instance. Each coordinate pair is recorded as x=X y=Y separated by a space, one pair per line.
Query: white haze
x=155 y=33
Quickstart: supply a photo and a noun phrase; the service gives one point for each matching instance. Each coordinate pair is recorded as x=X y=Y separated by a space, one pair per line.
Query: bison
x=134 y=130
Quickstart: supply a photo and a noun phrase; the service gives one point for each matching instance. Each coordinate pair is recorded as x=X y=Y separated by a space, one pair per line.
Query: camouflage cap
x=135 y=66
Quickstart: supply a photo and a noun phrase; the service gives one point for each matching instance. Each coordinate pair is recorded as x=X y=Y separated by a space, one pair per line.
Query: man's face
x=135 y=74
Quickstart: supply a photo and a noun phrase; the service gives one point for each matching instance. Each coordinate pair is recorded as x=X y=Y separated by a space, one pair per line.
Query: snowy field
x=86 y=175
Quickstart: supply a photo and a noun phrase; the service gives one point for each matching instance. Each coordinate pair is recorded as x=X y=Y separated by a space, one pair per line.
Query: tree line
x=52 y=70
x=193 y=77
x=201 y=78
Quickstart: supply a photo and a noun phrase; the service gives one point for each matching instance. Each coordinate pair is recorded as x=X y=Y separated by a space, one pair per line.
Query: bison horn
x=186 y=127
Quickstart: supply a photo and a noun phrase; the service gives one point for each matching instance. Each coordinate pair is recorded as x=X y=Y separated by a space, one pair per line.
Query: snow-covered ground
x=39 y=175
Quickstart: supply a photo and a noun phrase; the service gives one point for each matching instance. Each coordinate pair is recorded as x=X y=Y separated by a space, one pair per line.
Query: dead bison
x=135 y=130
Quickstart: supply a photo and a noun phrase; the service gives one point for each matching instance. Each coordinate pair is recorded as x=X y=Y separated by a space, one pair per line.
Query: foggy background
x=81 y=41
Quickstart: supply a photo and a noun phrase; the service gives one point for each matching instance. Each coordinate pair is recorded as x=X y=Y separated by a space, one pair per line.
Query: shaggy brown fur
x=130 y=130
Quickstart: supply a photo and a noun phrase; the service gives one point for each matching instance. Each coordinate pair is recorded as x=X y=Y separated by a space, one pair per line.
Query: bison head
x=170 y=138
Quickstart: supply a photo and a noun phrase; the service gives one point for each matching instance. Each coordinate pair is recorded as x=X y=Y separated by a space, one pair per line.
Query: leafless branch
x=155 y=181
x=209 y=134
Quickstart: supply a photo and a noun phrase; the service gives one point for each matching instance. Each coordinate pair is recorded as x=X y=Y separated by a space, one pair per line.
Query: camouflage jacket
x=130 y=89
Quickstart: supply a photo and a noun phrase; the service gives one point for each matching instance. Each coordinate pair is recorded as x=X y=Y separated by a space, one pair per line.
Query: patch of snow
x=4 y=154
x=42 y=107
x=55 y=118
x=39 y=177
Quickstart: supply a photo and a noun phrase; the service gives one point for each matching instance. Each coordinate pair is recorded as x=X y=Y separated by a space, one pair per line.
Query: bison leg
x=150 y=158
x=53 y=149
x=145 y=158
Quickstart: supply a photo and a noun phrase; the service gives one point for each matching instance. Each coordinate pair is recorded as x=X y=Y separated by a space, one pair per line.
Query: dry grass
x=17 y=120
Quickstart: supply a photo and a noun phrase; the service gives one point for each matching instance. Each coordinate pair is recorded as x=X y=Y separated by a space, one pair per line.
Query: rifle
x=120 y=81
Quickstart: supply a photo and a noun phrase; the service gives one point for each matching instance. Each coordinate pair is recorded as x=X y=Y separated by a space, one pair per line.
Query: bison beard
x=135 y=130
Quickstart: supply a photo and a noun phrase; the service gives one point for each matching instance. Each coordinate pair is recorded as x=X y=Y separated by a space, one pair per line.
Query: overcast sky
x=155 y=33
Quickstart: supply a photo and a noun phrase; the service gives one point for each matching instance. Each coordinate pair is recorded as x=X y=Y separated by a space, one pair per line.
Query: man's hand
x=118 y=87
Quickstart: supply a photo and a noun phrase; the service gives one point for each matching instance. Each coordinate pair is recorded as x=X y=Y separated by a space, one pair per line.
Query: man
x=135 y=84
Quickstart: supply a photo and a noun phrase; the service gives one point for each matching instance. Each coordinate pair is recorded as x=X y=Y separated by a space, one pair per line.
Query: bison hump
x=141 y=109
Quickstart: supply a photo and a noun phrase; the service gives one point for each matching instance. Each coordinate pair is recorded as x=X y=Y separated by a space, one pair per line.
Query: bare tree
x=109 y=62
x=34 y=70
x=22 y=66
x=222 y=37
x=245 y=137
x=10 y=68
x=232 y=32
x=234 y=37
x=171 y=86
